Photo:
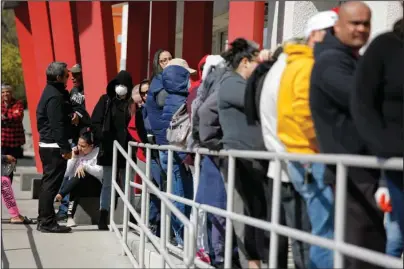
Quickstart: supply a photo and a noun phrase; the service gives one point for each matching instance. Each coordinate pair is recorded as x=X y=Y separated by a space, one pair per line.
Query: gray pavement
x=25 y=247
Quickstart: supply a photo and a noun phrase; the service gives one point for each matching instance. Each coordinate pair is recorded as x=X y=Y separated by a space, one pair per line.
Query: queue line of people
x=303 y=98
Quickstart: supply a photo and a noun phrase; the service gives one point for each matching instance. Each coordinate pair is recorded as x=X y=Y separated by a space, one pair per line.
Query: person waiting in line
x=110 y=120
x=54 y=119
x=137 y=131
x=83 y=173
x=8 y=195
x=252 y=187
x=377 y=106
x=12 y=130
x=296 y=132
x=331 y=86
x=156 y=135
x=176 y=83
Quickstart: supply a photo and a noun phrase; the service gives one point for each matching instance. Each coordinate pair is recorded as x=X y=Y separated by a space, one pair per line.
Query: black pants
x=89 y=186
x=54 y=168
x=254 y=189
x=364 y=221
x=16 y=152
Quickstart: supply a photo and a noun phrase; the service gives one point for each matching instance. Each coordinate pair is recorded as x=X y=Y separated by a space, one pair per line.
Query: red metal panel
x=62 y=33
x=97 y=48
x=246 y=19
x=197 y=31
x=33 y=92
x=164 y=16
x=137 y=42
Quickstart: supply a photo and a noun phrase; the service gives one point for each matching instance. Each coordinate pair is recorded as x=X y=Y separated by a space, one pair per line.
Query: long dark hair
x=240 y=49
x=87 y=135
x=398 y=29
x=156 y=63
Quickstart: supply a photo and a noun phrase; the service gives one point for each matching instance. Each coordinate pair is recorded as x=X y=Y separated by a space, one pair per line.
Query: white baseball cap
x=320 y=21
x=182 y=63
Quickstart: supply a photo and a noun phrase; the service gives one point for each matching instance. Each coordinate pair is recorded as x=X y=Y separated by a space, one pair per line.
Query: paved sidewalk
x=86 y=247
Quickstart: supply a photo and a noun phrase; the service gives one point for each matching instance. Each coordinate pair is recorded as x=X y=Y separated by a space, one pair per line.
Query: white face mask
x=121 y=90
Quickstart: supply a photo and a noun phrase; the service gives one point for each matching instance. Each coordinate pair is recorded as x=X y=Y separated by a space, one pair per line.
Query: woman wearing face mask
x=251 y=183
x=110 y=119
x=82 y=170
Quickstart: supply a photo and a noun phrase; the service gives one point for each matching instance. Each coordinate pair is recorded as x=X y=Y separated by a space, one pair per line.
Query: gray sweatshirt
x=237 y=134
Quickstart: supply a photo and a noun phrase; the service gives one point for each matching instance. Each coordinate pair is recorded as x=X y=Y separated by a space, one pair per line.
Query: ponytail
x=240 y=49
x=87 y=135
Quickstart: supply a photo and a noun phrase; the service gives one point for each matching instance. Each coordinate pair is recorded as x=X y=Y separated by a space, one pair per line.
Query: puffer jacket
x=176 y=83
x=155 y=111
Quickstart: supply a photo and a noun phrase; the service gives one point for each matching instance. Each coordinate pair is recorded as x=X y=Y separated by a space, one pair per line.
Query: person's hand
x=382 y=197
x=10 y=159
x=75 y=152
x=264 y=55
x=80 y=173
x=75 y=119
x=67 y=156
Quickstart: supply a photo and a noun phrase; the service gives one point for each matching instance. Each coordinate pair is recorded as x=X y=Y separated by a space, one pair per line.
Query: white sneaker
x=71 y=222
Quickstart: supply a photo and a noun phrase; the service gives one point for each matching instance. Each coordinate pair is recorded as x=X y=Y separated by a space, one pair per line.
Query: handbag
x=7 y=169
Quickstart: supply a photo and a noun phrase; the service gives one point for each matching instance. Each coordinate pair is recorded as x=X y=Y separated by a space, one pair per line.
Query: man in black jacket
x=377 y=107
x=54 y=119
x=332 y=83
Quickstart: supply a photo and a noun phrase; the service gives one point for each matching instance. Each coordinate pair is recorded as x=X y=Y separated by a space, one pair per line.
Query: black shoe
x=38 y=226
x=61 y=217
x=103 y=220
x=54 y=228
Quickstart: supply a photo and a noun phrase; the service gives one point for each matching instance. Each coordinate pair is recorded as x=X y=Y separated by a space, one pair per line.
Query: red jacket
x=140 y=154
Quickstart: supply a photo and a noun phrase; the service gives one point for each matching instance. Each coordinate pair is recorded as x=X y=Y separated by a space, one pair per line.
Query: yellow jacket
x=295 y=125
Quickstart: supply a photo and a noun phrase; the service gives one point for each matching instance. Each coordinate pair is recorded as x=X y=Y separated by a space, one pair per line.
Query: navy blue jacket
x=154 y=111
x=176 y=84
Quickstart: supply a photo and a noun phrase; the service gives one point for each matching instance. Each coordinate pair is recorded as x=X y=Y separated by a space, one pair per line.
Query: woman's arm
x=70 y=166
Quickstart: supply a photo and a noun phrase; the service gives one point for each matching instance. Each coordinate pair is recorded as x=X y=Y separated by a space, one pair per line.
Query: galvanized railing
x=337 y=244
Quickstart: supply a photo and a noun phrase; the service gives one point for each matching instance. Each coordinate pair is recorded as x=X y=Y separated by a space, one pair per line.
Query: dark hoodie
x=331 y=87
x=110 y=119
x=377 y=100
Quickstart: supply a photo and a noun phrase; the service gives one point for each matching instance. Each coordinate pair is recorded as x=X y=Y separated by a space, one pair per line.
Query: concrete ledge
x=26 y=180
x=152 y=258
x=87 y=211
x=35 y=187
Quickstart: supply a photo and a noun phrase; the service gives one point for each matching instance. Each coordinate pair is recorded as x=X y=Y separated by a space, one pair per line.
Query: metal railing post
x=275 y=215
x=127 y=197
x=114 y=171
x=170 y=160
x=195 y=211
x=340 y=208
x=229 y=224
x=149 y=176
x=143 y=214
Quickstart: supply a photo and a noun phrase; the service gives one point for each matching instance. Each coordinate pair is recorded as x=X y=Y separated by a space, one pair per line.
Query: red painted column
x=197 y=31
x=63 y=35
x=246 y=19
x=97 y=48
x=28 y=62
x=164 y=16
x=137 y=40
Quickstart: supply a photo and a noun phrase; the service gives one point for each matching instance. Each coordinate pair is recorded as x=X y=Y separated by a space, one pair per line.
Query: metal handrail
x=189 y=256
x=337 y=244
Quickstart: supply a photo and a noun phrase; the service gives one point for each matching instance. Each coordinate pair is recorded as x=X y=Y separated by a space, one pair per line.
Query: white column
x=124 y=36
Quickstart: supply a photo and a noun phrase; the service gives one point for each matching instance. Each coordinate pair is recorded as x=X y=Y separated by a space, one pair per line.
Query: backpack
x=180 y=127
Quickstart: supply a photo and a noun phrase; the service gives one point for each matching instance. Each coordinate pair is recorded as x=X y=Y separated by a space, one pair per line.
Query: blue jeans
x=319 y=199
x=154 y=214
x=395 y=240
x=395 y=184
x=182 y=186
x=64 y=205
x=105 y=197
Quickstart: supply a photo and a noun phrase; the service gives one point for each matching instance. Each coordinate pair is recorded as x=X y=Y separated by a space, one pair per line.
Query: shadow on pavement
x=4 y=260
x=33 y=247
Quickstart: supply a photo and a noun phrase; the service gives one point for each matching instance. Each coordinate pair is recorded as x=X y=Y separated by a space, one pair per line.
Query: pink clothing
x=8 y=197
